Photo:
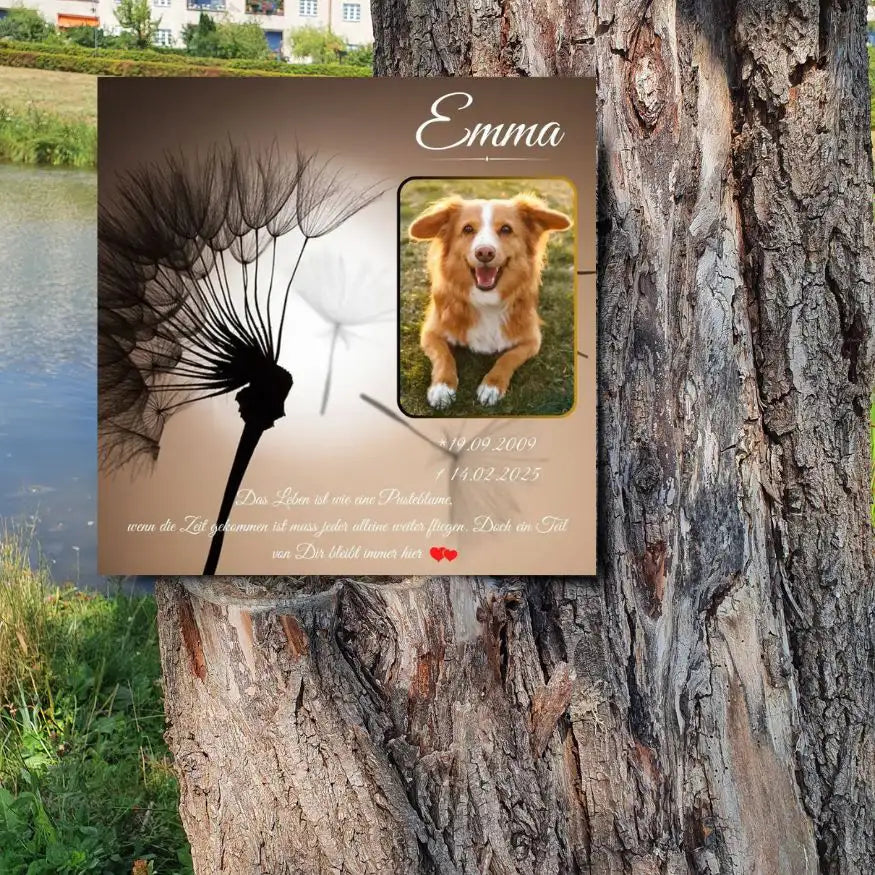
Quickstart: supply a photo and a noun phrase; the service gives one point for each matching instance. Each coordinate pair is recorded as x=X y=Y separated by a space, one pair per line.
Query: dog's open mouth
x=486 y=278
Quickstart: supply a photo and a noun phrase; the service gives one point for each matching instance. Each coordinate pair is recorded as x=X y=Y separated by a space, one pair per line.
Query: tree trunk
x=707 y=705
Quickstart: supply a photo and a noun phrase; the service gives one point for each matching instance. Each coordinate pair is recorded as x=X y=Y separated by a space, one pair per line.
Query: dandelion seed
x=345 y=297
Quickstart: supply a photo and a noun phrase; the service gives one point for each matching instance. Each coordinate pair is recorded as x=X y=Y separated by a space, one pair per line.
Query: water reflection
x=48 y=466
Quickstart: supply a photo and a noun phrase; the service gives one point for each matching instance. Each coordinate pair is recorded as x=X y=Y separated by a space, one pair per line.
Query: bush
x=201 y=39
x=318 y=43
x=126 y=64
x=32 y=136
x=227 y=39
x=117 y=46
x=363 y=56
x=88 y=37
x=245 y=41
x=27 y=25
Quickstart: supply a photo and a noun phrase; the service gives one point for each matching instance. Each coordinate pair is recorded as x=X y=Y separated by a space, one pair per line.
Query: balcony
x=264 y=7
x=207 y=5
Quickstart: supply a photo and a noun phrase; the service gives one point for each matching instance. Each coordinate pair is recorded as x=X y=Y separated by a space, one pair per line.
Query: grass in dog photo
x=487 y=297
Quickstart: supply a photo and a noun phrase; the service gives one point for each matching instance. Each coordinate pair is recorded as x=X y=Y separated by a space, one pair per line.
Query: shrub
x=318 y=43
x=27 y=25
x=245 y=41
x=201 y=39
x=227 y=39
x=82 y=61
x=363 y=56
x=88 y=37
x=32 y=136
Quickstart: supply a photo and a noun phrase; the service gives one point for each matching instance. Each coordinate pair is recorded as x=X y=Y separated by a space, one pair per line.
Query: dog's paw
x=489 y=395
x=440 y=396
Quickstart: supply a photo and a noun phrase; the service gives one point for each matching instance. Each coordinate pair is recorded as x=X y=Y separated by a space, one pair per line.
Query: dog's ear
x=435 y=218
x=538 y=215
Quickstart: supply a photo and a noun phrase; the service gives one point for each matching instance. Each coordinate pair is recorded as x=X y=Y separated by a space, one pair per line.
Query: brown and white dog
x=484 y=264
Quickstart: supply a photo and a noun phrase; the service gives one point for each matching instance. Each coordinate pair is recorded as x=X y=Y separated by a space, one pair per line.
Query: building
x=349 y=19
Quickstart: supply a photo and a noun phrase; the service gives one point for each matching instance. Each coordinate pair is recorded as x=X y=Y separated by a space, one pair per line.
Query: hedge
x=95 y=64
x=60 y=46
x=179 y=56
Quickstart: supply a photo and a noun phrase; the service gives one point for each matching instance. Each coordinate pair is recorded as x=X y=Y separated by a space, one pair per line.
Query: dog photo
x=487 y=297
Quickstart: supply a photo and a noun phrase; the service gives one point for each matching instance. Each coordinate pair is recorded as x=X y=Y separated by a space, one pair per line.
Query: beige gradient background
x=354 y=449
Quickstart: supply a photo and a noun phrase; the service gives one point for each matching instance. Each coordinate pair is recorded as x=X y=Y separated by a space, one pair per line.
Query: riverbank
x=48 y=117
x=85 y=777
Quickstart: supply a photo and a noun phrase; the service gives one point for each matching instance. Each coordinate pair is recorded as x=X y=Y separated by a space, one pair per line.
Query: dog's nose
x=484 y=253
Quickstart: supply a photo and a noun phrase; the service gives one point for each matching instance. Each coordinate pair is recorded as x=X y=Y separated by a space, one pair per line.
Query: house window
x=206 y=5
x=163 y=37
x=352 y=11
x=307 y=8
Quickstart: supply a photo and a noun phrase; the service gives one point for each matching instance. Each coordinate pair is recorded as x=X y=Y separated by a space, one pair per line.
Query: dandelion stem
x=263 y=334
x=327 y=389
x=252 y=433
x=279 y=334
x=269 y=293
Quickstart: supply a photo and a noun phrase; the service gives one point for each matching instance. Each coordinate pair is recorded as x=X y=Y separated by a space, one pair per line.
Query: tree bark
x=707 y=704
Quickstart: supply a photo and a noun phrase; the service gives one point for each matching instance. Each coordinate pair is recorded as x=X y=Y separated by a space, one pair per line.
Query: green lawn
x=70 y=96
x=48 y=117
x=85 y=778
x=542 y=386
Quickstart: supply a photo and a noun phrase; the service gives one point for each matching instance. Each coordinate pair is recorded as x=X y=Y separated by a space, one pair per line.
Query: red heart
x=437 y=553
x=450 y=554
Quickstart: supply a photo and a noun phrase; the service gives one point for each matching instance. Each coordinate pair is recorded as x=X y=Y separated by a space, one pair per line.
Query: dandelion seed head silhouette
x=189 y=284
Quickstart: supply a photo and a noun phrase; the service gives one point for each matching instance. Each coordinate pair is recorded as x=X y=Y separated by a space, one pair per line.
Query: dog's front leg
x=495 y=383
x=444 y=377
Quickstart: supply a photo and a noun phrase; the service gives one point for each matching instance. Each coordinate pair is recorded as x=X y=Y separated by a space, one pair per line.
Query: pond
x=48 y=439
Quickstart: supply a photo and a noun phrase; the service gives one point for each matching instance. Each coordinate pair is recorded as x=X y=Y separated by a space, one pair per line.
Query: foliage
x=116 y=63
x=89 y=37
x=363 y=56
x=246 y=41
x=85 y=782
x=227 y=39
x=27 y=25
x=201 y=39
x=318 y=43
x=135 y=17
x=32 y=136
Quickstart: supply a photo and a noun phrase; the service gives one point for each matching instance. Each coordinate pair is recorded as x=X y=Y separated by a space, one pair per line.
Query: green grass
x=85 y=779
x=542 y=386
x=65 y=95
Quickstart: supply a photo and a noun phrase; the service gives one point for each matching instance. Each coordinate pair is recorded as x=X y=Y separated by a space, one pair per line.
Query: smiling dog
x=484 y=264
